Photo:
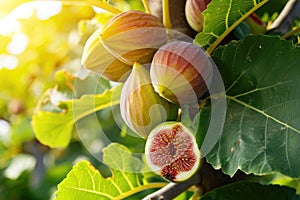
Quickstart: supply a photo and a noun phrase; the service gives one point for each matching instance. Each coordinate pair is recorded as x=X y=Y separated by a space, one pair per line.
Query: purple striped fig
x=181 y=72
x=193 y=13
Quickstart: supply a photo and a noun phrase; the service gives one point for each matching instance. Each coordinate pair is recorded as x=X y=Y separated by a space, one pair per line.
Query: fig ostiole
x=141 y=107
x=172 y=152
x=193 y=13
x=181 y=72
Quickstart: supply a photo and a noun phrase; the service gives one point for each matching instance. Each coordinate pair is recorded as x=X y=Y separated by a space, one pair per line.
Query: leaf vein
x=90 y=191
x=227 y=15
x=260 y=89
x=263 y=113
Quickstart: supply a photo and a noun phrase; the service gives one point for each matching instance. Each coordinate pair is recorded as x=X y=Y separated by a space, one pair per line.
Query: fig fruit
x=129 y=37
x=193 y=13
x=172 y=152
x=96 y=58
x=141 y=107
x=181 y=72
x=133 y=36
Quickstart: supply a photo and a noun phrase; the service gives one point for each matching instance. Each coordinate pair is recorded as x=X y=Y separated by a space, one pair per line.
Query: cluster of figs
x=159 y=75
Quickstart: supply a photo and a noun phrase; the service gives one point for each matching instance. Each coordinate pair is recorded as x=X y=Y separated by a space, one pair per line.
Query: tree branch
x=285 y=20
x=172 y=190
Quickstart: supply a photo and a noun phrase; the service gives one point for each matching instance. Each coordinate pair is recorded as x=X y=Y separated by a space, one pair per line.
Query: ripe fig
x=96 y=58
x=180 y=72
x=133 y=36
x=129 y=37
x=172 y=152
x=193 y=13
x=141 y=107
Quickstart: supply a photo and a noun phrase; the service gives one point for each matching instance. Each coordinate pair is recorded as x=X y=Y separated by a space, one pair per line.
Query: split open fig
x=172 y=152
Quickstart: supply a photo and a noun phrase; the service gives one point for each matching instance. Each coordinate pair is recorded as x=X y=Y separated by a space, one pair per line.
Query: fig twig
x=166 y=14
x=104 y=6
x=146 y=6
x=291 y=33
x=172 y=190
x=285 y=20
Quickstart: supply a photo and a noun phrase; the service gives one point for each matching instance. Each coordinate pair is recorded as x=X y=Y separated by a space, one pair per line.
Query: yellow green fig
x=141 y=107
x=96 y=58
x=133 y=36
x=128 y=37
x=181 y=72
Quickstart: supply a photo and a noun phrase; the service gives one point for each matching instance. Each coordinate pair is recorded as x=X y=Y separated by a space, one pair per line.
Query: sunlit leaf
x=262 y=131
x=221 y=17
x=54 y=128
x=85 y=182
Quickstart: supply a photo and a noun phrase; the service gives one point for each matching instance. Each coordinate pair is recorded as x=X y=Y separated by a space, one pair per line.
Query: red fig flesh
x=171 y=151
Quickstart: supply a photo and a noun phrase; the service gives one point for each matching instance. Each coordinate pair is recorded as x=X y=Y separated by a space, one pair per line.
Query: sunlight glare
x=9 y=25
x=8 y=61
x=18 y=44
x=4 y=131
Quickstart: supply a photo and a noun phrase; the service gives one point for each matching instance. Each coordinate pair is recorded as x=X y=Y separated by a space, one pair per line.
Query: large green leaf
x=54 y=128
x=85 y=182
x=221 y=17
x=250 y=191
x=261 y=134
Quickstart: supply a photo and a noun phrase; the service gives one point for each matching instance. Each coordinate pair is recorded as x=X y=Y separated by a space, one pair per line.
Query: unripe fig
x=96 y=58
x=133 y=36
x=180 y=72
x=129 y=37
x=193 y=13
x=141 y=107
x=172 y=152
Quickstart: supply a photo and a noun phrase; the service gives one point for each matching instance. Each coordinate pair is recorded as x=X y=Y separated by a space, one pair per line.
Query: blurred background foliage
x=37 y=39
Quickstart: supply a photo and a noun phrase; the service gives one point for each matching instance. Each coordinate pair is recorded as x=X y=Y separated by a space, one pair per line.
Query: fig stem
x=166 y=14
x=291 y=33
x=104 y=6
x=172 y=190
x=185 y=116
x=146 y=6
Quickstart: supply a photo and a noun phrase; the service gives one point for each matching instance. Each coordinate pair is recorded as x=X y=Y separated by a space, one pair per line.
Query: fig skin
x=141 y=107
x=181 y=72
x=172 y=152
x=96 y=58
x=133 y=36
x=193 y=13
x=129 y=37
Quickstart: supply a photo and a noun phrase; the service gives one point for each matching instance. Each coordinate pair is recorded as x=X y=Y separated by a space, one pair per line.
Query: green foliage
x=261 y=76
x=54 y=128
x=230 y=14
x=250 y=191
x=85 y=182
